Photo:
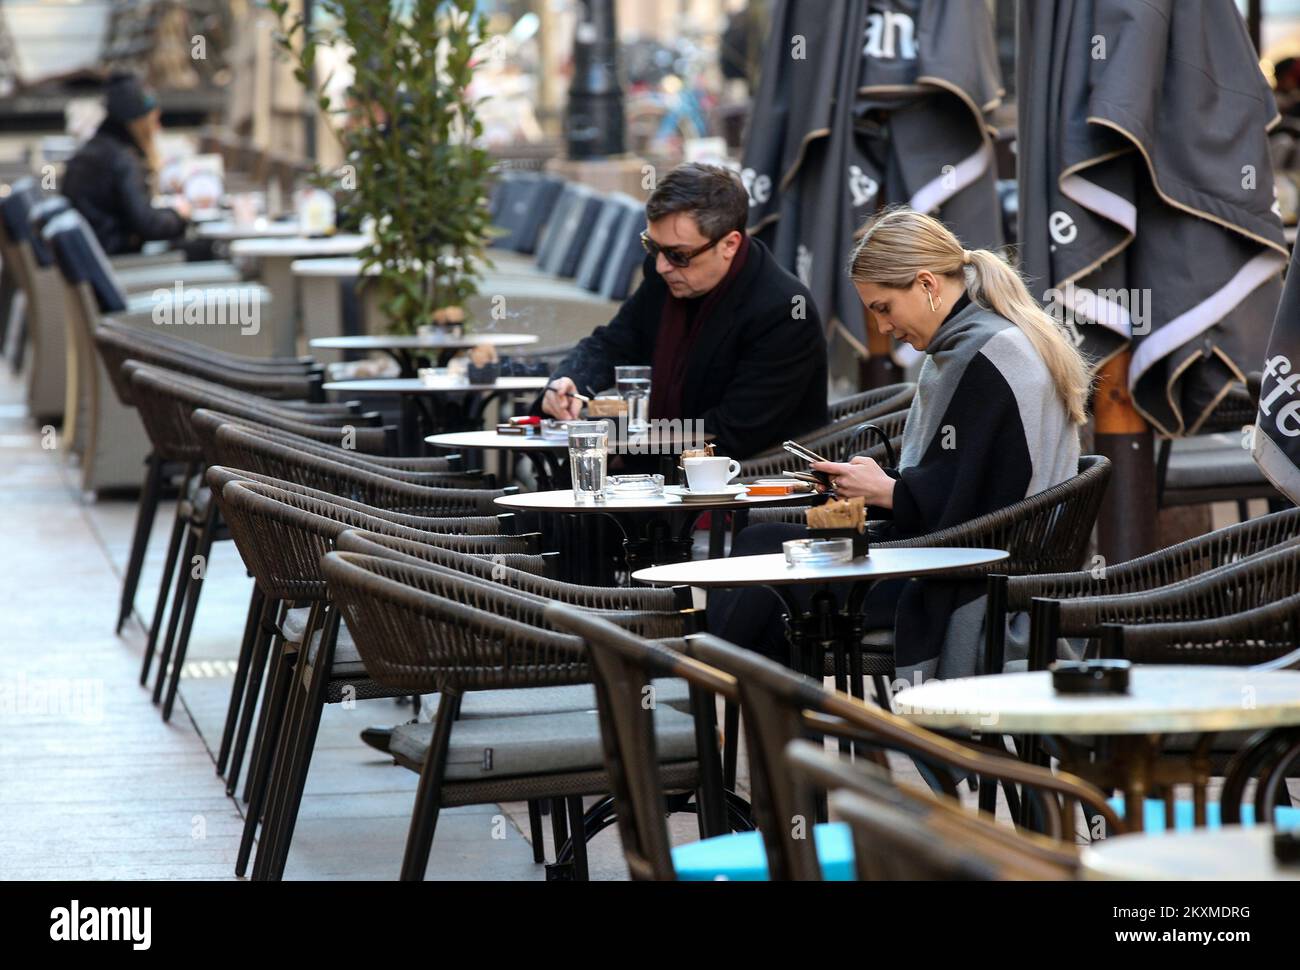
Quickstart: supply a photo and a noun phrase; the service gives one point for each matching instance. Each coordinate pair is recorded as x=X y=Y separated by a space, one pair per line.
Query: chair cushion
x=82 y=260
x=740 y=856
x=1153 y=812
x=1211 y=461
x=536 y=744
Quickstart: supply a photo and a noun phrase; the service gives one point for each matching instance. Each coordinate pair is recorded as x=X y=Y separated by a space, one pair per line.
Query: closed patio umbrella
x=1277 y=428
x=1147 y=213
x=868 y=104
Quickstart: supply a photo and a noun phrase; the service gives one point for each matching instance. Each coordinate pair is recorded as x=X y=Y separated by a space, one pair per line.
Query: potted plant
x=410 y=134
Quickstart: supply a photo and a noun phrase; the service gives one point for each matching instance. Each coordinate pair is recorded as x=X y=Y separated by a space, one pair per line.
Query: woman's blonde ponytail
x=895 y=245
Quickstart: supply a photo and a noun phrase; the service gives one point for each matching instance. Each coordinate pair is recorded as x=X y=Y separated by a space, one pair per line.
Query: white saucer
x=686 y=495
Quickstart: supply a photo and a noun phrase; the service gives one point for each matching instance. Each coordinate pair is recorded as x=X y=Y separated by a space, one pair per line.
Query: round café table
x=651 y=523
x=275 y=256
x=825 y=623
x=414 y=393
x=1205 y=855
x=545 y=453
x=1163 y=699
x=407 y=350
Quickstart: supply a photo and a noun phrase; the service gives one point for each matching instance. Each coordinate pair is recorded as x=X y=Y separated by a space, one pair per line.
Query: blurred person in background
x=110 y=179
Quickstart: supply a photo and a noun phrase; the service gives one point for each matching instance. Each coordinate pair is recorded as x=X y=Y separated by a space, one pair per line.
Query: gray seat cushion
x=536 y=744
x=347 y=659
x=1211 y=461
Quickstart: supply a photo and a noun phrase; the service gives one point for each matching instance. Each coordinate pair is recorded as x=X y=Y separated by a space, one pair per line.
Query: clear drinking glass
x=634 y=387
x=588 y=453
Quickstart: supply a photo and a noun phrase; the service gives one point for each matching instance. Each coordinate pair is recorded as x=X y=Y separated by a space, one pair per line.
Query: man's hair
x=714 y=195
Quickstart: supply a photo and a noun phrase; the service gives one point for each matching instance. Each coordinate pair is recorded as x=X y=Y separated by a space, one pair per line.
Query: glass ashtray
x=818 y=552
x=634 y=486
x=555 y=430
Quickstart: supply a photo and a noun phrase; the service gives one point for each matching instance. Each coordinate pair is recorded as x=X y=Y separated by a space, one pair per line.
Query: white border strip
x=934 y=193
x=1205 y=314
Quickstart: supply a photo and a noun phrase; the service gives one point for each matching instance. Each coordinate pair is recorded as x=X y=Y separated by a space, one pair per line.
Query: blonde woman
x=999 y=402
x=109 y=180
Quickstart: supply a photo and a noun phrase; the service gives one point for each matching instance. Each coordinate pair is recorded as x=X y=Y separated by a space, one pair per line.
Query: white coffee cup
x=710 y=474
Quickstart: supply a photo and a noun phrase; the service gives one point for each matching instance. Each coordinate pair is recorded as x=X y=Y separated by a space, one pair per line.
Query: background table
x=647 y=524
x=1162 y=699
x=1217 y=855
x=275 y=256
x=416 y=417
x=226 y=230
x=408 y=350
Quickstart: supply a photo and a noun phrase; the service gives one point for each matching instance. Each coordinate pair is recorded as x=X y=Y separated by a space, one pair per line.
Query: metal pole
x=1126 y=526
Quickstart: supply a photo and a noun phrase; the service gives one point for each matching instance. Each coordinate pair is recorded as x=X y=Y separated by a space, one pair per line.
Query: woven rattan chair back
x=873 y=403
x=470 y=525
x=838 y=442
x=819 y=770
x=1046 y=532
x=117 y=343
x=421 y=631
x=282 y=536
x=500 y=570
x=891 y=845
x=242 y=449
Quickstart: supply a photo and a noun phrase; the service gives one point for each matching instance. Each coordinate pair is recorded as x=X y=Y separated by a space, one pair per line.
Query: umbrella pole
x=1126 y=526
x=878 y=368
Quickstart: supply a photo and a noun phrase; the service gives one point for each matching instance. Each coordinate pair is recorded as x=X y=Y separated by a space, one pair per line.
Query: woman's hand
x=860 y=477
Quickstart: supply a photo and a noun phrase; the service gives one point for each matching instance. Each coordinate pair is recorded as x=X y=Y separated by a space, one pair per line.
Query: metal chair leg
x=178 y=607
x=277 y=644
x=164 y=587
x=311 y=708
x=144 y=516
x=424 y=816
x=535 y=830
x=203 y=552
x=274 y=703
x=252 y=630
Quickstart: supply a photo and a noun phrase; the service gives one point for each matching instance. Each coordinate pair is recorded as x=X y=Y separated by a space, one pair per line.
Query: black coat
x=106 y=182
x=757 y=373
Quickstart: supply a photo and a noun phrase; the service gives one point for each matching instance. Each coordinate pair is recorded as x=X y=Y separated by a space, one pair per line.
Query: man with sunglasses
x=733 y=339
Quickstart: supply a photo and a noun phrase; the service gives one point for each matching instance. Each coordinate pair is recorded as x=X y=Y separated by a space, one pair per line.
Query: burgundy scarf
x=677 y=336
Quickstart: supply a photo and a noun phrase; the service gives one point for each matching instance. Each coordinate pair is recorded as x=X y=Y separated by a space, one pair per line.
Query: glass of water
x=634 y=387
x=588 y=453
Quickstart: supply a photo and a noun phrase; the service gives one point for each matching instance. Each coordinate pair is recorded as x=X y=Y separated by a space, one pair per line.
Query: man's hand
x=557 y=401
x=861 y=476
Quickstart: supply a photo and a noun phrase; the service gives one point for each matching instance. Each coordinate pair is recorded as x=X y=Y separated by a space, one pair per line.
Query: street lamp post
x=594 y=124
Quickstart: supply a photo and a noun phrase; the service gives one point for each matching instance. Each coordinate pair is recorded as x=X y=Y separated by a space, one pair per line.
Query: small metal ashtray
x=818 y=552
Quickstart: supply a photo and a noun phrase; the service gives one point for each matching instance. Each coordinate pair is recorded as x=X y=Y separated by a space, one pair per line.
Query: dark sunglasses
x=675 y=256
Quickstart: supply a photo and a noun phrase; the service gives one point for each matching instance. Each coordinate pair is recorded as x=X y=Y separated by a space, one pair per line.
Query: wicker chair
x=838 y=442
x=165 y=402
x=281 y=536
x=1016 y=854
x=868 y=404
x=1008 y=594
x=242 y=448
x=419 y=631
x=779 y=706
x=499 y=532
x=1266 y=635
x=115 y=344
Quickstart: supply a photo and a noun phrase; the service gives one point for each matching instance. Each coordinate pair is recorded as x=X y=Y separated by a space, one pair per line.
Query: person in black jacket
x=107 y=181
x=734 y=341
